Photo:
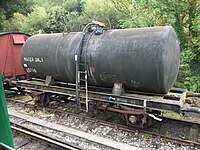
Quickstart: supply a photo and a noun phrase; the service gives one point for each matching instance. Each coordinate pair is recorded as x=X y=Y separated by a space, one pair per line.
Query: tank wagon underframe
x=173 y=101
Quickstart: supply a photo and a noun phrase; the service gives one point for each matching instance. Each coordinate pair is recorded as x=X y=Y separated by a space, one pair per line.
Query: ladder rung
x=83 y=80
x=82 y=72
x=82 y=87
x=82 y=64
x=82 y=84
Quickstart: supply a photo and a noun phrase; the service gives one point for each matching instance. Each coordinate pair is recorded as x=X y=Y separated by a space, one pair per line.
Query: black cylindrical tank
x=143 y=59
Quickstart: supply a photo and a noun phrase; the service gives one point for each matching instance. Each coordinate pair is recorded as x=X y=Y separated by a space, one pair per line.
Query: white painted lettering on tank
x=32 y=59
x=34 y=70
x=39 y=60
x=31 y=70
x=29 y=59
x=25 y=65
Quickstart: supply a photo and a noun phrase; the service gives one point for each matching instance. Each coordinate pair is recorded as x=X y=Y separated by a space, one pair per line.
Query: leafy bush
x=193 y=83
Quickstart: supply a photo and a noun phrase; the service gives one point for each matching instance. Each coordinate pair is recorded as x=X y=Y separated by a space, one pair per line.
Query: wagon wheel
x=141 y=120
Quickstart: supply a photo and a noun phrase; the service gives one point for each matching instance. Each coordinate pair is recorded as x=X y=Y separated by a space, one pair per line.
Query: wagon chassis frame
x=173 y=101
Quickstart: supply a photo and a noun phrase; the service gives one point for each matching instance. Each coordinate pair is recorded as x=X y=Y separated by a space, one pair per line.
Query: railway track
x=113 y=126
x=60 y=136
x=32 y=136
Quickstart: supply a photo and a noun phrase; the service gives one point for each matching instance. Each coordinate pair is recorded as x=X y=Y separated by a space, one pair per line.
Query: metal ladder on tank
x=82 y=68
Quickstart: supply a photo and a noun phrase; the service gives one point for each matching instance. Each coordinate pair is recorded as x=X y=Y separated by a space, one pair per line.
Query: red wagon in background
x=10 y=51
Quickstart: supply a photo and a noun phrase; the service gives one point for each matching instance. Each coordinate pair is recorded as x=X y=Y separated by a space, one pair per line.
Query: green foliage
x=3 y=21
x=59 y=20
x=55 y=19
x=193 y=83
x=12 y=6
x=187 y=56
x=195 y=50
x=36 y=21
x=16 y=23
x=44 y=16
x=137 y=14
x=103 y=11
x=73 y=5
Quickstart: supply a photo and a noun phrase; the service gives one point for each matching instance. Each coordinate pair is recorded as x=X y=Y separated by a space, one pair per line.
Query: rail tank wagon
x=142 y=59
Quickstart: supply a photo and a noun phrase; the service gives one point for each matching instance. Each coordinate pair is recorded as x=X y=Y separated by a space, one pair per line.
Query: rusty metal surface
x=131 y=112
x=142 y=59
x=10 y=62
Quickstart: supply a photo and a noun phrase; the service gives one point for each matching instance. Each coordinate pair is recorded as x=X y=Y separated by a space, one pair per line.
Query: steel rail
x=39 y=136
